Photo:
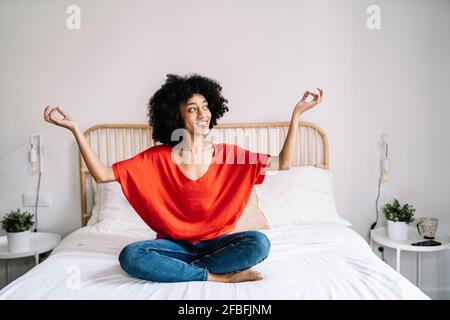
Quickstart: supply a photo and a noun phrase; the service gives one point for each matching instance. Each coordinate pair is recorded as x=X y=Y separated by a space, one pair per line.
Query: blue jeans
x=165 y=260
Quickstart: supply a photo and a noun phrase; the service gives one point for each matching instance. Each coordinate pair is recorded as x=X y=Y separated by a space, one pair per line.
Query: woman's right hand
x=66 y=122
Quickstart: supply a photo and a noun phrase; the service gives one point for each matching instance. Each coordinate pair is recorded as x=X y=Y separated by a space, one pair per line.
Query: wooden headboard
x=115 y=142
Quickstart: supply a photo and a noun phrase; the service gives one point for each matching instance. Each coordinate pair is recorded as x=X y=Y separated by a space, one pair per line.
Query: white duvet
x=305 y=262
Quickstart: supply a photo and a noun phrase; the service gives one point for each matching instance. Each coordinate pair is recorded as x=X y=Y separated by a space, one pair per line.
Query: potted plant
x=398 y=218
x=17 y=225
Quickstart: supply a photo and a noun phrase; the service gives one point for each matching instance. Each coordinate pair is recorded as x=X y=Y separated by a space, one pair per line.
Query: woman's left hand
x=303 y=105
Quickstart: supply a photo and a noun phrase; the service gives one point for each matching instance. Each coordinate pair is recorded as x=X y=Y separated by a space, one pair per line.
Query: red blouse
x=175 y=206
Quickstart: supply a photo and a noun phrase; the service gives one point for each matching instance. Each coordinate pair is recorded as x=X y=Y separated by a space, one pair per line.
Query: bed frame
x=116 y=142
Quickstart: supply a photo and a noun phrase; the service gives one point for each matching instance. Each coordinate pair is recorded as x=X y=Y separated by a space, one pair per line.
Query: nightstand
x=40 y=242
x=380 y=236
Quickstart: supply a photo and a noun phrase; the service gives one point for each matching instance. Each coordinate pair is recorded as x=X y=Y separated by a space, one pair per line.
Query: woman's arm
x=284 y=160
x=99 y=171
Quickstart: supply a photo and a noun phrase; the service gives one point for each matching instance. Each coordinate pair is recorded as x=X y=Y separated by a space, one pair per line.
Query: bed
x=315 y=254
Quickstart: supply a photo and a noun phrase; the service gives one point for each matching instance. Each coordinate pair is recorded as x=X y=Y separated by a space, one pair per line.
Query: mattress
x=322 y=261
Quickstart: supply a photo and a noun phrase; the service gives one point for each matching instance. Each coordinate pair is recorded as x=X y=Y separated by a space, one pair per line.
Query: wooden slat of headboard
x=265 y=137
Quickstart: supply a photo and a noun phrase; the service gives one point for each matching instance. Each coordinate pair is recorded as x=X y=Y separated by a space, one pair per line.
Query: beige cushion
x=252 y=218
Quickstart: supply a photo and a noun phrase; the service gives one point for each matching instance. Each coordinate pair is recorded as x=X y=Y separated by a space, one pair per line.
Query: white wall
x=265 y=54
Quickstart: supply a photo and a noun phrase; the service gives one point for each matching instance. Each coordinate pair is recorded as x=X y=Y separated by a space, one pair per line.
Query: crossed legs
x=226 y=258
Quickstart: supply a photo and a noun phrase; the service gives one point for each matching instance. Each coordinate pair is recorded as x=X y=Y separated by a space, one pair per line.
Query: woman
x=192 y=192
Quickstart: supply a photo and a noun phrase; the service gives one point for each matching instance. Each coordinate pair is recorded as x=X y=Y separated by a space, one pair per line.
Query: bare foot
x=245 y=275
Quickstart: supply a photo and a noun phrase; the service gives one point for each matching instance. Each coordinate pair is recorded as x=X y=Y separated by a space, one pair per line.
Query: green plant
x=397 y=213
x=17 y=221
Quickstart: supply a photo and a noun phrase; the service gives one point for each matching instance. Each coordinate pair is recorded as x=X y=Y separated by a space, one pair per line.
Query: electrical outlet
x=29 y=199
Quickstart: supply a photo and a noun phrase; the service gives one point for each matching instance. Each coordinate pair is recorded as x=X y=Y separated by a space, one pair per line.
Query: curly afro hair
x=164 y=106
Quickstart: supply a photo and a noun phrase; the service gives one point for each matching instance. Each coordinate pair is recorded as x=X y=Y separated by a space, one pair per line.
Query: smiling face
x=196 y=115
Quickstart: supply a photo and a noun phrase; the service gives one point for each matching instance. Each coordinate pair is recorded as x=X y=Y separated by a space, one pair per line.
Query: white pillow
x=300 y=195
x=113 y=213
x=93 y=219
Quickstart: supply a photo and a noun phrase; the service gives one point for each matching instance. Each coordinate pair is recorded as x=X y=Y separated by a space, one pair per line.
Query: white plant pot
x=18 y=241
x=397 y=230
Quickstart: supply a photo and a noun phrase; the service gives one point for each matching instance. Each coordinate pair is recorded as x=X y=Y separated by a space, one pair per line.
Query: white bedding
x=305 y=262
